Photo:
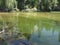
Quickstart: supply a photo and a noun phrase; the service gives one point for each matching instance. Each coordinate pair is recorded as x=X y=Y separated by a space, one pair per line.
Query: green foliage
x=7 y=4
x=43 y=5
x=10 y=4
x=21 y=4
x=59 y=2
x=2 y=4
x=32 y=3
x=47 y=5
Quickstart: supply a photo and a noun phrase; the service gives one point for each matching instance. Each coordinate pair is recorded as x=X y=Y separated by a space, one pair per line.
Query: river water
x=42 y=31
x=46 y=33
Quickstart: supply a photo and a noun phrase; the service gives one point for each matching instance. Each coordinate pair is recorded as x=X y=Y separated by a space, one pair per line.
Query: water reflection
x=44 y=36
x=49 y=37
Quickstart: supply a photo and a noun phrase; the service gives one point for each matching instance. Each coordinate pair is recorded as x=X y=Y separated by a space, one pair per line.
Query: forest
x=29 y=5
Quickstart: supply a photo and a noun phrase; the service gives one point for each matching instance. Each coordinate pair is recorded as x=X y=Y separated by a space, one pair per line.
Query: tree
x=32 y=3
x=21 y=4
x=2 y=4
x=47 y=5
x=59 y=3
x=6 y=5
x=10 y=4
x=42 y=5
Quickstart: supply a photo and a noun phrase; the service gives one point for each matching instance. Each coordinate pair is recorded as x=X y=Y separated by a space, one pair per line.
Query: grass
x=38 y=15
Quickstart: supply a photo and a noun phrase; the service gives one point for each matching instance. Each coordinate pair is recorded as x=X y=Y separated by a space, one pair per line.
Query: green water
x=40 y=30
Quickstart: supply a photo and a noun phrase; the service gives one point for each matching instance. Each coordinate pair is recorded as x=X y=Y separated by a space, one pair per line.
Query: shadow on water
x=3 y=42
x=46 y=33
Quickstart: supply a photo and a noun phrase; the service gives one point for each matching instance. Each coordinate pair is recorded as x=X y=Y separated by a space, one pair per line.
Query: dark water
x=46 y=33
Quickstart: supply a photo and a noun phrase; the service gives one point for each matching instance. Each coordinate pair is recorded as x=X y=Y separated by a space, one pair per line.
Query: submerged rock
x=19 y=42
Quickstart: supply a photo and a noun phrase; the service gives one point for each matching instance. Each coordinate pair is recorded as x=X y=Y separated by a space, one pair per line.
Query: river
x=41 y=28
